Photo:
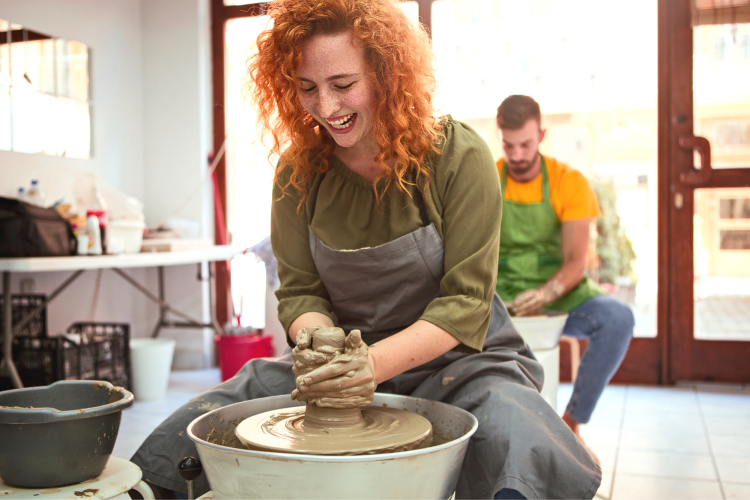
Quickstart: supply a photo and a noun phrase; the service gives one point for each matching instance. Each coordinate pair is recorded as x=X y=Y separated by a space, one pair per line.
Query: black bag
x=31 y=231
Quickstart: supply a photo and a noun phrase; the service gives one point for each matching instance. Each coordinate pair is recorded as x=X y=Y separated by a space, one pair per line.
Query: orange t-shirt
x=571 y=195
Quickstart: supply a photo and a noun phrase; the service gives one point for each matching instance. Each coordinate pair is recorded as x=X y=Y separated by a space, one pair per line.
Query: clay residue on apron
x=205 y=405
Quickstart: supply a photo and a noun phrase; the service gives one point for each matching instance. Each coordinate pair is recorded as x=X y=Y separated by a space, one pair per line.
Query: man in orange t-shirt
x=547 y=212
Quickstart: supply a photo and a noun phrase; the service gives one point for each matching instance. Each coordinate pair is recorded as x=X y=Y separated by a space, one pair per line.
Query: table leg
x=212 y=297
x=9 y=368
x=162 y=304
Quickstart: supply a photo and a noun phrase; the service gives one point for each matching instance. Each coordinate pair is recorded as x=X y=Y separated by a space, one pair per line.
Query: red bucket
x=236 y=350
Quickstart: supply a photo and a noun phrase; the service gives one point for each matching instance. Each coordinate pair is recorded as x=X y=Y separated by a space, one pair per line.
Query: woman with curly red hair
x=386 y=221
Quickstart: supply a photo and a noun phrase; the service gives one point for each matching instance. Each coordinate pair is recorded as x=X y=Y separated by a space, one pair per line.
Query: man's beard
x=523 y=167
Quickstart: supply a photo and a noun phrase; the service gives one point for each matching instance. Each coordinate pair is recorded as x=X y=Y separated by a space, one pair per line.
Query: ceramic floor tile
x=563 y=396
x=194 y=381
x=646 y=392
x=669 y=465
x=669 y=440
x=736 y=491
x=134 y=429
x=605 y=489
x=607 y=456
x=614 y=394
x=605 y=418
x=143 y=417
x=737 y=426
x=632 y=487
x=666 y=405
x=734 y=469
x=723 y=404
x=637 y=420
x=730 y=445
x=599 y=438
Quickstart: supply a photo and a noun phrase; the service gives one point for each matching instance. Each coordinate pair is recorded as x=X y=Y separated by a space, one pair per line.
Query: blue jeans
x=608 y=326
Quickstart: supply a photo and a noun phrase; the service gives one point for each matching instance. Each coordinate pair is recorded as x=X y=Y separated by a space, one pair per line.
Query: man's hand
x=347 y=381
x=530 y=302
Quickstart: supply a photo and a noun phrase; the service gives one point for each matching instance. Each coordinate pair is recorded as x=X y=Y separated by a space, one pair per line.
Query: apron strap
x=545 y=180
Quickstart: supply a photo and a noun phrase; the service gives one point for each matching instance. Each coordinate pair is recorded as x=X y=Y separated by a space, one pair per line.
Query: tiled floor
x=690 y=442
x=143 y=417
x=671 y=442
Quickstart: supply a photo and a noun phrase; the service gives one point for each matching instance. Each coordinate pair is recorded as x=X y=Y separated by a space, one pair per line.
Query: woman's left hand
x=347 y=381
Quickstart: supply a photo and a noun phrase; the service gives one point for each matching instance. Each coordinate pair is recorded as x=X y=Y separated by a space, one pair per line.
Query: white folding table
x=80 y=264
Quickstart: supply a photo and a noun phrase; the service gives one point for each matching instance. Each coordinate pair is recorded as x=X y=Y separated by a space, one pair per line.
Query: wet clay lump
x=319 y=430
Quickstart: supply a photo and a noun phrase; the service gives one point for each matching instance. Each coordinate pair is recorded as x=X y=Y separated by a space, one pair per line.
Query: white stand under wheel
x=119 y=476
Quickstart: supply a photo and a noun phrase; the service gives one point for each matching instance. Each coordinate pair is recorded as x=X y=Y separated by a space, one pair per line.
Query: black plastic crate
x=21 y=306
x=105 y=355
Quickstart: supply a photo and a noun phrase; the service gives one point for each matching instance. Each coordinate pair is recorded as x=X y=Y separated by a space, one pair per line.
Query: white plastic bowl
x=541 y=332
x=125 y=236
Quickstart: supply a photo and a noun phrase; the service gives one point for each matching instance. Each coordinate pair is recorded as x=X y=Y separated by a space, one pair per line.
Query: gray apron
x=521 y=442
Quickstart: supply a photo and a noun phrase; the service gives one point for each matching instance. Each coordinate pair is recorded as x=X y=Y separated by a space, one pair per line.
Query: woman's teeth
x=342 y=123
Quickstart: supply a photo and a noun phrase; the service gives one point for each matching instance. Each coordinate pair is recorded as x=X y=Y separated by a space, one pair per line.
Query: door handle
x=694 y=176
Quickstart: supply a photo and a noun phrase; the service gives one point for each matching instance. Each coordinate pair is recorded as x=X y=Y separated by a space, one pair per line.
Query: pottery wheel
x=327 y=431
x=315 y=430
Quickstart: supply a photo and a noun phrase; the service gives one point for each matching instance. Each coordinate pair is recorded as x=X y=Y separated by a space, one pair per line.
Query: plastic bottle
x=21 y=196
x=99 y=209
x=35 y=195
x=95 y=236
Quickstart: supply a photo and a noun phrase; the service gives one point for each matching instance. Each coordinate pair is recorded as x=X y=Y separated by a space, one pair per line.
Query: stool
x=119 y=476
x=575 y=355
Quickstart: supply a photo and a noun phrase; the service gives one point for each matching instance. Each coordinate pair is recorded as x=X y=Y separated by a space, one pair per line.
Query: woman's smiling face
x=335 y=88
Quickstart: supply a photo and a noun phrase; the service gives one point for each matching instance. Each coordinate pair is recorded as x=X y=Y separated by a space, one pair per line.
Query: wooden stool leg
x=575 y=355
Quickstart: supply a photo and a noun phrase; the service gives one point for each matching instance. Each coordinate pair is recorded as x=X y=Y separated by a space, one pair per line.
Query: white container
x=151 y=362
x=540 y=332
x=127 y=235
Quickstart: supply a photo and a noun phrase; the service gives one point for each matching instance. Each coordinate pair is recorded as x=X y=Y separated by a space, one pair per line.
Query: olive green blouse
x=462 y=200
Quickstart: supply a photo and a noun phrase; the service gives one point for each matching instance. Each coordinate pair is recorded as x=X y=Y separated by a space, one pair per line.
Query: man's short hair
x=516 y=110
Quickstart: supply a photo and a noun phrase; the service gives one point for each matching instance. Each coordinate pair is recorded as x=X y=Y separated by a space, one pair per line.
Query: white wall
x=151 y=129
x=112 y=30
x=177 y=140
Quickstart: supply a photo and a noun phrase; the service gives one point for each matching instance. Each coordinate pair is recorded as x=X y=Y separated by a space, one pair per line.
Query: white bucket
x=541 y=332
x=151 y=362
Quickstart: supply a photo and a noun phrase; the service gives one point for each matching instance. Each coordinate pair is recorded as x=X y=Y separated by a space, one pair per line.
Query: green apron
x=531 y=252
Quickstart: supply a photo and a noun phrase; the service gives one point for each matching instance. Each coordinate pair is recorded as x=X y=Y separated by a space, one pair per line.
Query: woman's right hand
x=306 y=359
x=346 y=381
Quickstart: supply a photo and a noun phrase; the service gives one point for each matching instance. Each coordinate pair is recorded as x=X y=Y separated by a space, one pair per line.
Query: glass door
x=708 y=204
x=597 y=86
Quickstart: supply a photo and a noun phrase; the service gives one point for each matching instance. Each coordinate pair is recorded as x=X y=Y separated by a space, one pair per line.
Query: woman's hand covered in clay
x=306 y=359
x=347 y=381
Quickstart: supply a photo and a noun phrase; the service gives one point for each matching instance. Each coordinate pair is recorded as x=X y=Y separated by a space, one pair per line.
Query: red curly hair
x=399 y=56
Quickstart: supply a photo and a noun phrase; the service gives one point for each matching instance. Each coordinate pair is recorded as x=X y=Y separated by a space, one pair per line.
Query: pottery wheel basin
x=235 y=472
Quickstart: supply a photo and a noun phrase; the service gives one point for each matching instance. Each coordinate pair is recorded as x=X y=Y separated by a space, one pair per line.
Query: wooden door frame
x=684 y=357
x=220 y=14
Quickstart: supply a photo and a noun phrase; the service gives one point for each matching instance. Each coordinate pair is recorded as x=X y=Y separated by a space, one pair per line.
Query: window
x=45 y=102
